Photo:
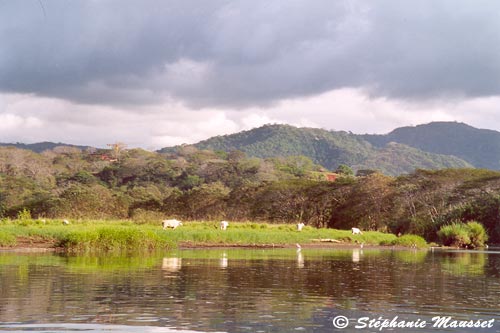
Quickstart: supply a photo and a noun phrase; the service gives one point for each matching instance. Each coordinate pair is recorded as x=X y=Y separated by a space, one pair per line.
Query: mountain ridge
x=330 y=149
x=39 y=147
x=435 y=145
x=476 y=146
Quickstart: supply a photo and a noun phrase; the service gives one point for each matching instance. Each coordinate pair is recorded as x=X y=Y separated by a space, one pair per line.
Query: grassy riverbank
x=121 y=235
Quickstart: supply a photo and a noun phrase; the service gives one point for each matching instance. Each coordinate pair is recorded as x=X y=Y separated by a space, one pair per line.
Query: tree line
x=194 y=184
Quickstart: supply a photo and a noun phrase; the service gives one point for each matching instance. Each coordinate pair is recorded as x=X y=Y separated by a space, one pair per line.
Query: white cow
x=65 y=222
x=356 y=231
x=171 y=224
x=223 y=225
x=300 y=226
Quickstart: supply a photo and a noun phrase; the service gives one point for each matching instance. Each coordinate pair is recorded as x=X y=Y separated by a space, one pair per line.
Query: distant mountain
x=323 y=147
x=479 y=147
x=40 y=146
x=435 y=145
x=328 y=148
x=396 y=158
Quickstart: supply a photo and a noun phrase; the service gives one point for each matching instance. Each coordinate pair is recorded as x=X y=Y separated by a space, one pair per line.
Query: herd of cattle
x=173 y=224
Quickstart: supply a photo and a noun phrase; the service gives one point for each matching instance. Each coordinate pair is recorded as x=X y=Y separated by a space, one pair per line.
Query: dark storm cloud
x=242 y=53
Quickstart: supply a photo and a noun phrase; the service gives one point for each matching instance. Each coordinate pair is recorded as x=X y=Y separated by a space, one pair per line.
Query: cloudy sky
x=158 y=73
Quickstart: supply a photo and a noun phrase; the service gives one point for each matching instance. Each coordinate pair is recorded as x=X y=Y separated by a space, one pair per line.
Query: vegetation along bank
x=142 y=188
x=85 y=235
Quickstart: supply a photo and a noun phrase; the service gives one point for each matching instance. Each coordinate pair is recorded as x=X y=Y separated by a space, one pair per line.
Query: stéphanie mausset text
x=381 y=323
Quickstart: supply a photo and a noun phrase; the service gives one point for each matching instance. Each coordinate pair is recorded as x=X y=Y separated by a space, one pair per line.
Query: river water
x=229 y=290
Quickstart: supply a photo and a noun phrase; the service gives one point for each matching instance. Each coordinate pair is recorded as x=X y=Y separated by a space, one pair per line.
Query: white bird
x=299 y=248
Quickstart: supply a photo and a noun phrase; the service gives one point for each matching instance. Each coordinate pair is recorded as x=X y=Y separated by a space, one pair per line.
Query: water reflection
x=356 y=254
x=300 y=259
x=223 y=260
x=90 y=328
x=464 y=263
x=245 y=290
x=171 y=265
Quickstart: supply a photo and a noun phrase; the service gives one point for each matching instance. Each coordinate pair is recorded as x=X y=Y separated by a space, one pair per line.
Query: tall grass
x=121 y=235
x=268 y=234
x=468 y=235
x=408 y=241
x=113 y=238
x=7 y=239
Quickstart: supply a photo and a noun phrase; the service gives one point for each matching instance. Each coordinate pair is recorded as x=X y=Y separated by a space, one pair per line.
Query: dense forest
x=194 y=184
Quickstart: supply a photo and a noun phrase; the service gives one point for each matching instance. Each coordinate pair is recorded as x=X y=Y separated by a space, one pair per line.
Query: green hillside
x=479 y=147
x=396 y=159
x=328 y=148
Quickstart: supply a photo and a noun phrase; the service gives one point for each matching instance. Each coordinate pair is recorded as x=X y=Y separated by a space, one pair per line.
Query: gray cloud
x=235 y=54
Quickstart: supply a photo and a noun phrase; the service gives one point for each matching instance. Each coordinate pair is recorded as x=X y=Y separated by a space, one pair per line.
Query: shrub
x=466 y=235
x=7 y=239
x=477 y=234
x=24 y=215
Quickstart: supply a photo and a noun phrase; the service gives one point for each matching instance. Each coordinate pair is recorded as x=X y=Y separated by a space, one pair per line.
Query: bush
x=24 y=215
x=7 y=239
x=477 y=234
x=465 y=235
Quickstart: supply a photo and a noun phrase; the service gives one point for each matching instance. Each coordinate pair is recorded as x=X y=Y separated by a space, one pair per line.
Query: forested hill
x=479 y=147
x=40 y=146
x=435 y=145
x=329 y=149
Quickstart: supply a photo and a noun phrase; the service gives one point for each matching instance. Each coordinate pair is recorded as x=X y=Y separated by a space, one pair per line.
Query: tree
x=207 y=201
x=366 y=204
x=96 y=201
x=284 y=201
x=344 y=170
x=117 y=149
x=298 y=166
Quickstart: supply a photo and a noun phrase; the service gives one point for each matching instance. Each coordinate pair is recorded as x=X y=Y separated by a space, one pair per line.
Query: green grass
x=413 y=241
x=7 y=238
x=124 y=235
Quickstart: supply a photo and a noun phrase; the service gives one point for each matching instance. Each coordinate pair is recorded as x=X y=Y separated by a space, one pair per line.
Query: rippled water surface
x=226 y=290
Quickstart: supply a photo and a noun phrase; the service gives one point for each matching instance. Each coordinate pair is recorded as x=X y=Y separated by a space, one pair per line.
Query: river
x=272 y=290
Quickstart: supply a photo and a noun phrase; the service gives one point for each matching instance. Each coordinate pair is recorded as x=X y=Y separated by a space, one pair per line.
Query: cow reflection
x=356 y=255
x=171 y=265
x=223 y=260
